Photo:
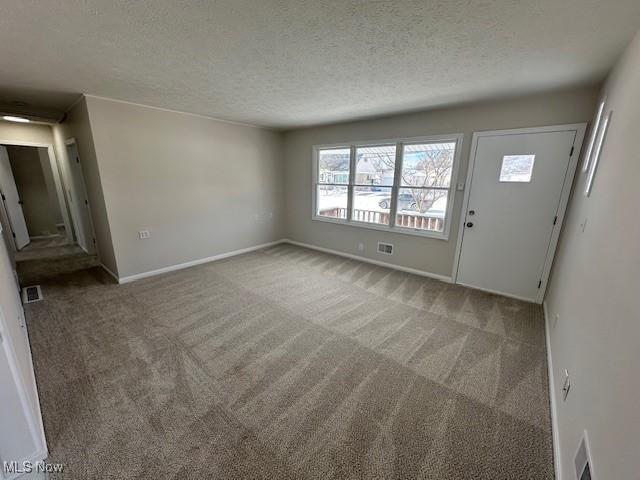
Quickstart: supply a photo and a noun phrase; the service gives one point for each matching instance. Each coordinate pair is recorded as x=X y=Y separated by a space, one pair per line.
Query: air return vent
x=582 y=460
x=31 y=294
x=385 y=248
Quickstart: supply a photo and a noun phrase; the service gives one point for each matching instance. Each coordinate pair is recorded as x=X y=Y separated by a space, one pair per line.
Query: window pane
x=375 y=165
x=517 y=168
x=331 y=201
x=371 y=204
x=333 y=165
x=428 y=164
x=422 y=208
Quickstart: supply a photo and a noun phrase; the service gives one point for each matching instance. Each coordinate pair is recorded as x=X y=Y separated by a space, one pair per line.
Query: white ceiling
x=291 y=63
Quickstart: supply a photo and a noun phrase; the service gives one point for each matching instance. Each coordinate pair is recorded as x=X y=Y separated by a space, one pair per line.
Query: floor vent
x=581 y=460
x=385 y=248
x=31 y=294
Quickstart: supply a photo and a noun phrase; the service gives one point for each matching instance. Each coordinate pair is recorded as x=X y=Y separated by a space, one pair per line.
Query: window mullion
x=352 y=179
x=396 y=185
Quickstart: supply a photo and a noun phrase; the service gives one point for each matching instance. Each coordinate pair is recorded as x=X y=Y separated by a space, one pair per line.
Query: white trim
x=91 y=242
x=199 y=115
x=579 y=129
x=552 y=397
x=422 y=273
x=595 y=127
x=457 y=138
x=20 y=143
x=602 y=138
x=41 y=237
x=192 y=263
x=36 y=426
x=110 y=272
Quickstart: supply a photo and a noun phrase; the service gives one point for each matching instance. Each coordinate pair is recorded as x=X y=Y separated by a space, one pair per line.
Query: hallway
x=35 y=265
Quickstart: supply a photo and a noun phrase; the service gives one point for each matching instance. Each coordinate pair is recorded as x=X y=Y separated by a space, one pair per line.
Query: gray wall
x=40 y=213
x=595 y=290
x=201 y=187
x=76 y=125
x=430 y=255
x=49 y=180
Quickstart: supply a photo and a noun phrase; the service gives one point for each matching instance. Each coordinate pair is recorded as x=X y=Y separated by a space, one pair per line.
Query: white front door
x=12 y=201
x=516 y=184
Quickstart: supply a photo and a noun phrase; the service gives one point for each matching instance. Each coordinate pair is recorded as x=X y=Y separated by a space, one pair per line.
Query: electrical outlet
x=566 y=386
x=144 y=234
x=361 y=247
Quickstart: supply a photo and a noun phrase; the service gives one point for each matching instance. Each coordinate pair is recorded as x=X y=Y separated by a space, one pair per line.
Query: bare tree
x=432 y=169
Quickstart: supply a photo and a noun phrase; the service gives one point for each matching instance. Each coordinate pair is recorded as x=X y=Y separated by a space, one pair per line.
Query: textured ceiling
x=292 y=63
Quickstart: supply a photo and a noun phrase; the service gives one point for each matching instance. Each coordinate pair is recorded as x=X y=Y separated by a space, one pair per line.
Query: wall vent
x=385 y=248
x=582 y=459
x=31 y=294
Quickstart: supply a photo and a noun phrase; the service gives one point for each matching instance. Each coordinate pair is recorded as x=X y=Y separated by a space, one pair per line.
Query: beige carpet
x=289 y=363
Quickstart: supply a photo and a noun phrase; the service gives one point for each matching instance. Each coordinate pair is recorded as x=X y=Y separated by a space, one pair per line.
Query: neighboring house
x=334 y=177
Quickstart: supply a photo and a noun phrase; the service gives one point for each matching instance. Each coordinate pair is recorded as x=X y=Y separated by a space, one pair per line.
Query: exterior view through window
x=333 y=178
x=401 y=185
x=517 y=168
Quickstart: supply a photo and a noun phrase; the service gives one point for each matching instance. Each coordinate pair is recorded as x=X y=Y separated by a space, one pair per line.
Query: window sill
x=372 y=226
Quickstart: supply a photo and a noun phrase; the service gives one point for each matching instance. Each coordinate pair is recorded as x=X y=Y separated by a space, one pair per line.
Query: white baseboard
x=192 y=263
x=415 y=271
x=41 y=237
x=552 y=396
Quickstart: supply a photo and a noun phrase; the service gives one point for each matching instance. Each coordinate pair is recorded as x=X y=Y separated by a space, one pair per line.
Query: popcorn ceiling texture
x=294 y=63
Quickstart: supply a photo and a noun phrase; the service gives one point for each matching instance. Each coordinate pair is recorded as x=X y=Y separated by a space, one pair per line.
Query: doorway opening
x=45 y=214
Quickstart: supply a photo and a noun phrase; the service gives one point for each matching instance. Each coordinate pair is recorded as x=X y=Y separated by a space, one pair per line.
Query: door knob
x=472 y=212
x=469 y=224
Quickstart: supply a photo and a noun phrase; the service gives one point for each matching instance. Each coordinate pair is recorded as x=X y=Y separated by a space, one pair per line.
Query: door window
x=517 y=168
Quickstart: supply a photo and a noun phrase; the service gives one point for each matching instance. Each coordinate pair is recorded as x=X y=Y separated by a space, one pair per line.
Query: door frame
x=58 y=179
x=92 y=241
x=580 y=129
x=13 y=222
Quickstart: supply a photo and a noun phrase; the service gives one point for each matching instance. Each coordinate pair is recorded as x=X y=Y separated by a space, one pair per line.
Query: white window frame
x=456 y=138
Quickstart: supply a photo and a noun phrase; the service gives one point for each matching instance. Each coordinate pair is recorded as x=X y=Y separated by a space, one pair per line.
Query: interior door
x=79 y=202
x=12 y=201
x=21 y=432
x=515 y=191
